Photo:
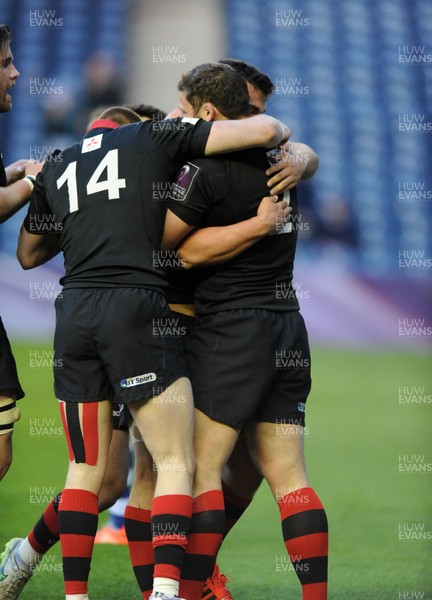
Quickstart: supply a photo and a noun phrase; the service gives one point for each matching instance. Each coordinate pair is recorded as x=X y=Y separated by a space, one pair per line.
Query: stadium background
x=354 y=80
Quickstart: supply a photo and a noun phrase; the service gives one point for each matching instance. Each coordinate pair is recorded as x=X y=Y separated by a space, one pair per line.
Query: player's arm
x=34 y=246
x=261 y=130
x=215 y=245
x=15 y=196
x=296 y=162
x=34 y=250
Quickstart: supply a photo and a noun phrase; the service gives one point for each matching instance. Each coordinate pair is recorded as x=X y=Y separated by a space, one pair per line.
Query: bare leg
x=279 y=455
x=89 y=427
x=166 y=425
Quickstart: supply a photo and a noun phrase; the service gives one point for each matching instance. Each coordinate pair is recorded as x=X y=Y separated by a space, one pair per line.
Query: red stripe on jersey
x=203 y=543
x=66 y=429
x=308 y=546
x=90 y=432
x=74 y=545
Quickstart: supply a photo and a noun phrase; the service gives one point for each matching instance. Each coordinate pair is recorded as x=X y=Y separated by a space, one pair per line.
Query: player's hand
x=286 y=172
x=273 y=213
x=33 y=167
x=176 y=112
x=15 y=171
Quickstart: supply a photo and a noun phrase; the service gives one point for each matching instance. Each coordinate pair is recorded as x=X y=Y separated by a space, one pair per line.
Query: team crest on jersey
x=138 y=380
x=183 y=181
x=92 y=143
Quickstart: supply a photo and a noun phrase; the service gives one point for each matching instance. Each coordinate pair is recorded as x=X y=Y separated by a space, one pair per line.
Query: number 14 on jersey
x=112 y=184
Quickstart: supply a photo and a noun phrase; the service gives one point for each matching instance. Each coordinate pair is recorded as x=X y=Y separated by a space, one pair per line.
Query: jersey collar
x=103 y=124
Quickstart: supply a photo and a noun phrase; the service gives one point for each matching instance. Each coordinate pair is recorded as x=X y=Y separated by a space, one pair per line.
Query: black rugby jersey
x=224 y=190
x=103 y=198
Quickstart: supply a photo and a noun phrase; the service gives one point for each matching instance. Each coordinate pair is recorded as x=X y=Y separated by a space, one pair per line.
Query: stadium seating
x=347 y=54
x=51 y=44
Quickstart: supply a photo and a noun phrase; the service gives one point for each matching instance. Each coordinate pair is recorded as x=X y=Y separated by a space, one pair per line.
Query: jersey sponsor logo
x=138 y=380
x=301 y=406
x=92 y=143
x=183 y=181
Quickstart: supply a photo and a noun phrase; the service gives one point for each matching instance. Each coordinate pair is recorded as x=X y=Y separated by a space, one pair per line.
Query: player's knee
x=112 y=490
x=109 y=495
x=174 y=463
x=244 y=481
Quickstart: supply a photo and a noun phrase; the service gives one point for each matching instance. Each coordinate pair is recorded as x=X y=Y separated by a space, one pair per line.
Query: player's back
x=227 y=189
x=100 y=194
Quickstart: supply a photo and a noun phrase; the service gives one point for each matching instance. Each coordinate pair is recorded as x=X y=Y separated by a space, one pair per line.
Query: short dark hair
x=251 y=74
x=219 y=84
x=120 y=115
x=147 y=110
x=5 y=38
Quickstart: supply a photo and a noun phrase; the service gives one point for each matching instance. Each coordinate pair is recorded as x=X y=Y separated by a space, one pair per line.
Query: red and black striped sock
x=235 y=506
x=305 y=532
x=170 y=523
x=205 y=539
x=78 y=519
x=46 y=531
x=138 y=531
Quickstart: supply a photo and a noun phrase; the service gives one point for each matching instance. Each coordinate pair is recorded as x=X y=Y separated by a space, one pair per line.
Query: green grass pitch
x=361 y=435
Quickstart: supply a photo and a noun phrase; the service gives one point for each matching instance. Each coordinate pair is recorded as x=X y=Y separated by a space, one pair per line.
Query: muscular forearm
x=12 y=198
x=261 y=130
x=214 y=245
x=34 y=250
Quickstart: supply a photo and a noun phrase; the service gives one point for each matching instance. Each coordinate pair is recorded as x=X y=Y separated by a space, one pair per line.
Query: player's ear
x=207 y=112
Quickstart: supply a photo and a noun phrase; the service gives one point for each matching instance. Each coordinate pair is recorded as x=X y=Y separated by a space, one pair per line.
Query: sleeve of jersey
x=183 y=138
x=191 y=196
x=38 y=210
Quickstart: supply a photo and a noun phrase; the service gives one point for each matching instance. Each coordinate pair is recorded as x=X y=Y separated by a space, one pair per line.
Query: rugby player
x=21 y=556
x=242 y=326
x=65 y=191
x=15 y=190
x=241 y=478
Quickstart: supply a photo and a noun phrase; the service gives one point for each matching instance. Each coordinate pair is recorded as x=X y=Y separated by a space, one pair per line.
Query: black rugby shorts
x=116 y=344
x=250 y=365
x=8 y=371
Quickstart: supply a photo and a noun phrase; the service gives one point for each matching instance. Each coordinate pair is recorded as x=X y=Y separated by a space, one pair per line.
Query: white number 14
x=112 y=184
